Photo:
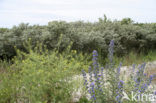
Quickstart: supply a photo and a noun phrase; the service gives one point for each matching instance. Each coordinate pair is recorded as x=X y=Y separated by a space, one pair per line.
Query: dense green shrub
x=128 y=36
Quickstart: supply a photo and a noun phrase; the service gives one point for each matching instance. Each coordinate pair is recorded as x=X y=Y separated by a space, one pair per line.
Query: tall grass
x=134 y=57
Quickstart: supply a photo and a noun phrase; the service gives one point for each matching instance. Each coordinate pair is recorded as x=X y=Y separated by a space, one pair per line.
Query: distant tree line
x=86 y=36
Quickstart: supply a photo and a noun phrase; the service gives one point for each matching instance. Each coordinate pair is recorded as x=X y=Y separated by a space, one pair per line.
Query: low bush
x=86 y=36
x=41 y=76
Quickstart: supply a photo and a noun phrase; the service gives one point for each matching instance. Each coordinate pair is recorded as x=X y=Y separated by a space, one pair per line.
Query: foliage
x=86 y=36
x=40 y=76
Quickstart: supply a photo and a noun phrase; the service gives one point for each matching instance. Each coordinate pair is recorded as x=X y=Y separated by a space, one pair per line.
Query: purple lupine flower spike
x=111 y=50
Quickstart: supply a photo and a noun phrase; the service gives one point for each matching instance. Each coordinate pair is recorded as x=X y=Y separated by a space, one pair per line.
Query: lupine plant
x=141 y=81
x=104 y=84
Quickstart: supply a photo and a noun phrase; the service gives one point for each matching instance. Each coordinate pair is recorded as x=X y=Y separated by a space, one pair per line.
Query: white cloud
x=42 y=11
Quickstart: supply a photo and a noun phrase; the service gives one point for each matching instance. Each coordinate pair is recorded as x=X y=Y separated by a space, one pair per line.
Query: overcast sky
x=13 y=12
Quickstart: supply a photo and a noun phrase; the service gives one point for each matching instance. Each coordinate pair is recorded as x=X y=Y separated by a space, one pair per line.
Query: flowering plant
x=104 y=84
